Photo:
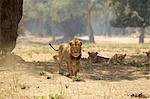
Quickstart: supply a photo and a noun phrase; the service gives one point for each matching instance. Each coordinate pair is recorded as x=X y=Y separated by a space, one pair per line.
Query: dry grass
x=41 y=51
x=100 y=82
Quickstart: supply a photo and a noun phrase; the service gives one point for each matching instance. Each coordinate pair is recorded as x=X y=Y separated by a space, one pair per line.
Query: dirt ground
x=34 y=76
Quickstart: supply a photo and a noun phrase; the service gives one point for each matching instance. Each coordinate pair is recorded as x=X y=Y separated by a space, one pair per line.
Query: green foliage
x=69 y=15
x=131 y=13
x=66 y=13
x=74 y=25
x=76 y=78
x=61 y=10
x=135 y=64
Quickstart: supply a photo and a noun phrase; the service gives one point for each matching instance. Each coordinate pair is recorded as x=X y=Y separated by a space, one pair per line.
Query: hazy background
x=69 y=18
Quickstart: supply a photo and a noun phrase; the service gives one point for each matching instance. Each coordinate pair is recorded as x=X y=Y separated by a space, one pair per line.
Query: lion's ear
x=80 y=43
x=96 y=53
x=70 y=43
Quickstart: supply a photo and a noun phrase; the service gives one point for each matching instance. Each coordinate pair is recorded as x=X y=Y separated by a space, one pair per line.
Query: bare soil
x=30 y=73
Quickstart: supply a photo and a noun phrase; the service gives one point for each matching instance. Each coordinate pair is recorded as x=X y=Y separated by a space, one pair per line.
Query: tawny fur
x=117 y=59
x=70 y=53
x=148 y=54
x=94 y=58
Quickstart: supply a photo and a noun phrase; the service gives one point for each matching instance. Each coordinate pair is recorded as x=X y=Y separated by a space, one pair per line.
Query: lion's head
x=75 y=47
x=147 y=54
x=93 y=56
x=121 y=57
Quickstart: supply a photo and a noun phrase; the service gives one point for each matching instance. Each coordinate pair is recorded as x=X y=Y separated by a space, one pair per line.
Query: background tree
x=81 y=10
x=105 y=14
x=68 y=14
x=69 y=17
x=89 y=5
x=132 y=13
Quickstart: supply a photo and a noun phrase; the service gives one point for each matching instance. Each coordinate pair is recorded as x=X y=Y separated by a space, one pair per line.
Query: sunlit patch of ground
x=37 y=75
x=37 y=49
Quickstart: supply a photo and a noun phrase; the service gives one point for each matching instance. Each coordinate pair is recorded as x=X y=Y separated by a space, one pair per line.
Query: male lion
x=70 y=53
x=94 y=58
x=117 y=59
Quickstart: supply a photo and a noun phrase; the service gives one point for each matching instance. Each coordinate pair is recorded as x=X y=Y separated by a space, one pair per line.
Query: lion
x=148 y=54
x=117 y=59
x=70 y=53
x=94 y=58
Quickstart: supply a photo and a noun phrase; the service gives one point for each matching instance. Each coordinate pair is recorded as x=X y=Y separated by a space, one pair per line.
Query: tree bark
x=10 y=16
x=141 y=36
x=90 y=5
x=68 y=28
x=90 y=29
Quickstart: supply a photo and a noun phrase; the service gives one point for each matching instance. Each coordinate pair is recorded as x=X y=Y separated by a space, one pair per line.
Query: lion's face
x=121 y=56
x=93 y=56
x=148 y=54
x=117 y=58
x=75 y=47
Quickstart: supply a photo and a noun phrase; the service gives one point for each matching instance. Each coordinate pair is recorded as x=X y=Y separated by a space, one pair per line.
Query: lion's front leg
x=75 y=68
x=69 y=65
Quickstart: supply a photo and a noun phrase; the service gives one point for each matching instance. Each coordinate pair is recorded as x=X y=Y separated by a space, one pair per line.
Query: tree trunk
x=68 y=28
x=123 y=31
x=68 y=36
x=90 y=29
x=10 y=16
x=141 y=36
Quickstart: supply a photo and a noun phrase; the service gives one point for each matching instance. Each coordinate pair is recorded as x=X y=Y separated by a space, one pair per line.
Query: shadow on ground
x=96 y=72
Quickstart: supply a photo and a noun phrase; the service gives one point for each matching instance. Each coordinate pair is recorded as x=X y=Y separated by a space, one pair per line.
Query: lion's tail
x=52 y=46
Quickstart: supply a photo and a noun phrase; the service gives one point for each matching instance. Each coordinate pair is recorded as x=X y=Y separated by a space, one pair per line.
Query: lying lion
x=117 y=59
x=70 y=53
x=94 y=58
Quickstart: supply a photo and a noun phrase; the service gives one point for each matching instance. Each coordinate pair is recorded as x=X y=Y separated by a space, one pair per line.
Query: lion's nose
x=76 y=50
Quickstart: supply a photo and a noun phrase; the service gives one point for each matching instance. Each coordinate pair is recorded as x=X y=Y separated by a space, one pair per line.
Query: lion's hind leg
x=60 y=63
